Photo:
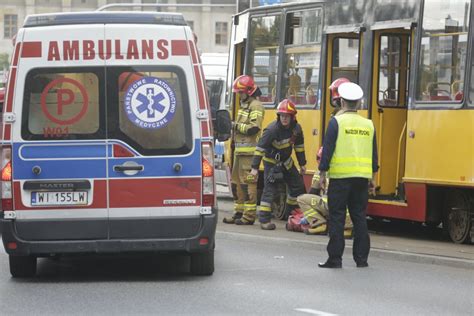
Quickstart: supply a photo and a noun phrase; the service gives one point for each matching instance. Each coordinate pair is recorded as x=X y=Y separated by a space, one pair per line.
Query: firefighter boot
x=243 y=221
x=231 y=220
x=247 y=219
x=319 y=230
x=267 y=226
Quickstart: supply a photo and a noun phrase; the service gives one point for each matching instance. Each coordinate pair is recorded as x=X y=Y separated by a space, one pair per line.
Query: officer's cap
x=350 y=91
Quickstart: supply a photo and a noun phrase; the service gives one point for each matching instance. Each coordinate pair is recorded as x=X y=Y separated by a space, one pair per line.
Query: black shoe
x=330 y=265
x=242 y=221
x=362 y=264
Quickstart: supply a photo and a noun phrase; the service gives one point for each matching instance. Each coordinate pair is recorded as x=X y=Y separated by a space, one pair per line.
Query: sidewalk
x=407 y=248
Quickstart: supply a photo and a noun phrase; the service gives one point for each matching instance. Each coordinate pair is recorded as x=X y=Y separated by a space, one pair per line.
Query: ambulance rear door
x=58 y=136
x=154 y=167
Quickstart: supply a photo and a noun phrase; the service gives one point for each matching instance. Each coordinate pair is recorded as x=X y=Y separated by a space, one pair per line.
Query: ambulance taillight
x=208 y=189
x=7 y=194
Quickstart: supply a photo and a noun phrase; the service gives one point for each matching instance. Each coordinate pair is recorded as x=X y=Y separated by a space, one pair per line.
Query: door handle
x=121 y=168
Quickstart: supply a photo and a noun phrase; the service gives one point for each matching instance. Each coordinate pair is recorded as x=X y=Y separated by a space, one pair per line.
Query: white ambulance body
x=107 y=140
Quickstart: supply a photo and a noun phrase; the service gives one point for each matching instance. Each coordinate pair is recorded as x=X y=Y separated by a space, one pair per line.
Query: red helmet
x=244 y=84
x=286 y=107
x=335 y=85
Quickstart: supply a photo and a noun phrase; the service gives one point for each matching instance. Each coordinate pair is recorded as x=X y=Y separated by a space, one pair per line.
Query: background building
x=211 y=22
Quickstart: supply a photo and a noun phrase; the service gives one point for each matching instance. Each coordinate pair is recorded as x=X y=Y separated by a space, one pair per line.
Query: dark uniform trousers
x=295 y=185
x=353 y=194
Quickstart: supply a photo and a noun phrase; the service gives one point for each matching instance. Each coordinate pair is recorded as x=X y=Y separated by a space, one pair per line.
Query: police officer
x=275 y=147
x=247 y=129
x=350 y=160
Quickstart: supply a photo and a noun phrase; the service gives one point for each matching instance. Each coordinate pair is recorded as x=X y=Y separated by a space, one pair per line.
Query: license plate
x=59 y=198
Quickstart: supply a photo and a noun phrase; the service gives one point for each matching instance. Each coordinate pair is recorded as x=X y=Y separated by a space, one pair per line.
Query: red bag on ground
x=293 y=224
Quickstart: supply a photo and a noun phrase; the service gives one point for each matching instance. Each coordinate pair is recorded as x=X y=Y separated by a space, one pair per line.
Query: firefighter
x=315 y=208
x=275 y=147
x=334 y=93
x=349 y=159
x=246 y=131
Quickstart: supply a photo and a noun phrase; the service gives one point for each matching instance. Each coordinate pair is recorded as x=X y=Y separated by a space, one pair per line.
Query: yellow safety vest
x=353 y=153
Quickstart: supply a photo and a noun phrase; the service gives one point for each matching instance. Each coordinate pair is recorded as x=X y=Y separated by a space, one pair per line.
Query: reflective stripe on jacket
x=248 y=126
x=277 y=143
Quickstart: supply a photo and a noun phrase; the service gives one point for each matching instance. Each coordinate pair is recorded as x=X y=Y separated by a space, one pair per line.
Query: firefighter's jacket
x=248 y=126
x=277 y=142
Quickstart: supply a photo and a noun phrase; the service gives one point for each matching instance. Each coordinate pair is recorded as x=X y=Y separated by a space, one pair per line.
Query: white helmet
x=350 y=91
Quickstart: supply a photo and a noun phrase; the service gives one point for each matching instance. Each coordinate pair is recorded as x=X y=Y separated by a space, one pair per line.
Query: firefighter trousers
x=351 y=193
x=244 y=188
x=295 y=185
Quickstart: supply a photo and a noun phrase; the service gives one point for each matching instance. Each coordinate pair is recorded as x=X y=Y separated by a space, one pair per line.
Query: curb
x=374 y=252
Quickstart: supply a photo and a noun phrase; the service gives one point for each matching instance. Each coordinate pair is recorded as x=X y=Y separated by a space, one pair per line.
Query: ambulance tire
x=202 y=263
x=22 y=266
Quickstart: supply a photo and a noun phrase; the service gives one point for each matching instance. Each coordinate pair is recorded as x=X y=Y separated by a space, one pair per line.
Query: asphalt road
x=253 y=277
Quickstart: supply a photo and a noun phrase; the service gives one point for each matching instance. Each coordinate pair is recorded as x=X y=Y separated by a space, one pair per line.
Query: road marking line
x=314 y=312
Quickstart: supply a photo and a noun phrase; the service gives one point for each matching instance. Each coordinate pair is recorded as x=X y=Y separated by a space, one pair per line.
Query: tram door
x=392 y=49
x=342 y=62
x=236 y=68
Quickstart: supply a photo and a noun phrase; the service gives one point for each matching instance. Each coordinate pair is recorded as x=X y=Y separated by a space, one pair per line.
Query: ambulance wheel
x=22 y=266
x=202 y=263
x=458 y=217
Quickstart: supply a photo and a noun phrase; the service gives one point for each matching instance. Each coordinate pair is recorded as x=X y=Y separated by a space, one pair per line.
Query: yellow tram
x=414 y=60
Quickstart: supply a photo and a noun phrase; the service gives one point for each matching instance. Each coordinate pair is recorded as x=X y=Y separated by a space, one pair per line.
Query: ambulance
x=107 y=140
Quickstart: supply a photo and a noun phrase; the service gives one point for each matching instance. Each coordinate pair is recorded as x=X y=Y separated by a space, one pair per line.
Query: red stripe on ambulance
x=200 y=88
x=205 y=130
x=156 y=192
x=179 y=48
x=16 y=55
x=31 y=50
x=11 y=84
x=193 y=52
x=8 y=132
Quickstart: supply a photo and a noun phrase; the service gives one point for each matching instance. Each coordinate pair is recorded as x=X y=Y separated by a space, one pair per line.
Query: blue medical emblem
x=150 y=102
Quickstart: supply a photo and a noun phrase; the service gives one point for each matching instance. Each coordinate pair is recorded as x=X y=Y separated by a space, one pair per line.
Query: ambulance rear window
x=148 y=108
x=64 y=104
x=145 y=107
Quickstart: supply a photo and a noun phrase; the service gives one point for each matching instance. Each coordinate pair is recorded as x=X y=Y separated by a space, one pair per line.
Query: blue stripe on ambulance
x=90 y=162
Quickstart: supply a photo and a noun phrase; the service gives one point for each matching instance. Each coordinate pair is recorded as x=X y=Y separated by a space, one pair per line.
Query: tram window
x=262 y=62
x=302 y=57
x=390 y=70
x=443 y=53
x=345 y=59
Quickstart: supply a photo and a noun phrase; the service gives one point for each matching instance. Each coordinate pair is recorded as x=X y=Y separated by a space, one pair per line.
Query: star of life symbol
x=150 y=103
